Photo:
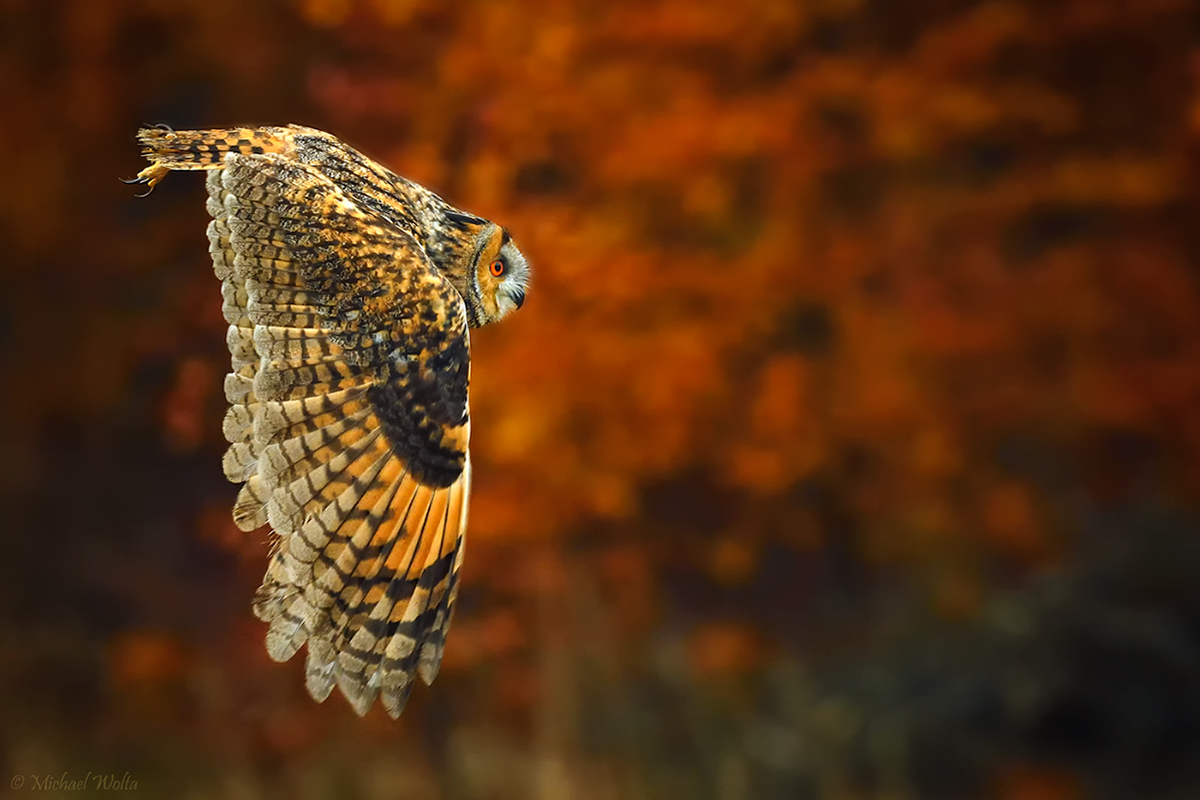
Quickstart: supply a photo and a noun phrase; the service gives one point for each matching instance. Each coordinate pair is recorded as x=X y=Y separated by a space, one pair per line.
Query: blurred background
x=847 y=448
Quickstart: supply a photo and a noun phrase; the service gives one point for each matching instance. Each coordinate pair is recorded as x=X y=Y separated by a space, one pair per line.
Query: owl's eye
x=498 y=267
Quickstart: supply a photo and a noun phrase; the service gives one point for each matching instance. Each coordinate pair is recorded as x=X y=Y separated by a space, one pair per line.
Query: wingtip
x=358 y=692
x=319 y=669
x=394 y=699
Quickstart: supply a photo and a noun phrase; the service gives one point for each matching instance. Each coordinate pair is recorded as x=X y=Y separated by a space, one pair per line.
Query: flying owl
x=349 y=293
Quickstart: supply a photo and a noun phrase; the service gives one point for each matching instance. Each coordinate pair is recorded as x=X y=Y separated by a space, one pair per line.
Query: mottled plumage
x=349 y=292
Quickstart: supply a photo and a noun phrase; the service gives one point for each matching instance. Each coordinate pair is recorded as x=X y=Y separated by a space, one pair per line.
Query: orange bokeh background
x=847 y=446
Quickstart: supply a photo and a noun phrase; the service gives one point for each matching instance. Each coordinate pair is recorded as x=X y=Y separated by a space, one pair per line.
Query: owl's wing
x=348 y=425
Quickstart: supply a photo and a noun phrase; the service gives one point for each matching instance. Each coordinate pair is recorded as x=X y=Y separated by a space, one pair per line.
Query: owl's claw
x=148 y=177
x=132 y=181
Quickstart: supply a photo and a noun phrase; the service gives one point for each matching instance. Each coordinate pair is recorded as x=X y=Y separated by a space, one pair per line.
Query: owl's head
x=499 y=275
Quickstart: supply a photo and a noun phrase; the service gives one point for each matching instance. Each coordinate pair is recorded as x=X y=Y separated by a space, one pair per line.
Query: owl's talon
x=134 y=181
x=138 y=181
x=148 y=177
x=159 y=126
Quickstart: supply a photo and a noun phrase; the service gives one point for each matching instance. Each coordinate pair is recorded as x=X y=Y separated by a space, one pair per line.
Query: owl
x=350 y=293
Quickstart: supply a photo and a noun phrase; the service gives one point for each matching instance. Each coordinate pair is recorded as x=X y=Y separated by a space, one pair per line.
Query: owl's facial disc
x=514 y=279
x=502 y=274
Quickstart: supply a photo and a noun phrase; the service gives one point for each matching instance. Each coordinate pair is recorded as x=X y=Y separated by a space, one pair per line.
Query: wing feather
x=348 y=423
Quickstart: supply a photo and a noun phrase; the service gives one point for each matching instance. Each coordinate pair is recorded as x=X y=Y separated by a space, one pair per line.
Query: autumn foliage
x=847 y=445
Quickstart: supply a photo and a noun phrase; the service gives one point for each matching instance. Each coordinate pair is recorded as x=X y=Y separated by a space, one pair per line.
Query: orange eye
x=498 y=267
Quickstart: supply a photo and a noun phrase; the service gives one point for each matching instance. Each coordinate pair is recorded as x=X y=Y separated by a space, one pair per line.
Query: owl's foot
x=206 y=149
x=149 y=177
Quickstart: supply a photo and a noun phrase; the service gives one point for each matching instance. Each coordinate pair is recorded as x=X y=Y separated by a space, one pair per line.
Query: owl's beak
x=519 y=298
